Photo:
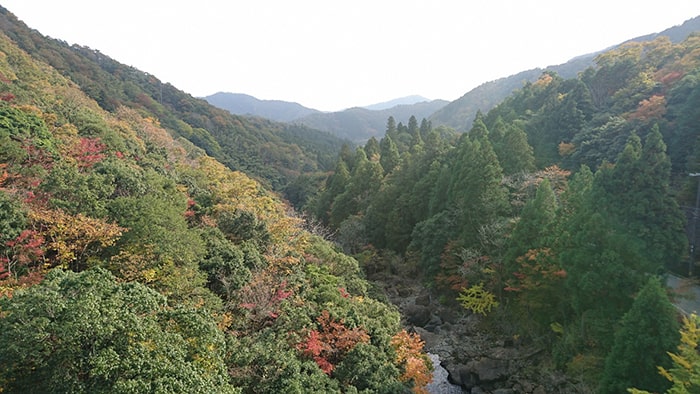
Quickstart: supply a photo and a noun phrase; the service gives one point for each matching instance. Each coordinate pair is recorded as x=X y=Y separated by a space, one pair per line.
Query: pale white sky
x=333 y=54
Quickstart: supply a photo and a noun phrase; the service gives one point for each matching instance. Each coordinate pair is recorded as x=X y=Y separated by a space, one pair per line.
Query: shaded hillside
x=131 y=261
x=359 y=124
x=263 y=149
x=460 y=113
x=243 y=104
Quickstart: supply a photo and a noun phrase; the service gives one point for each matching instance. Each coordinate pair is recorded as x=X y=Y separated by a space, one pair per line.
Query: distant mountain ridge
x=360 y=124
x=243 y=104
x=460 y=113
x=356 y=124
x=408 y=100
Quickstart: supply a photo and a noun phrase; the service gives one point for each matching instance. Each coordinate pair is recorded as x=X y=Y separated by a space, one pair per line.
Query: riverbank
x=477 y=358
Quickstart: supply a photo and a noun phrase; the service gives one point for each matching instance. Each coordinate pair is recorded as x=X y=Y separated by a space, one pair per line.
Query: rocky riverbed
x=475 y=358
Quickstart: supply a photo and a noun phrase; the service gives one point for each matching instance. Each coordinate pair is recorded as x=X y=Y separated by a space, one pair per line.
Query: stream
x=440 y=384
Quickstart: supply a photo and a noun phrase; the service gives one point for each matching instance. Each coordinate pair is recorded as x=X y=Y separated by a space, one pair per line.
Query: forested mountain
x=360 y=124
x=243 y=104
x=460 y=113
x=408 y=100
x=132 y=261
x=272 y=152
x=139 y=254
x=556 y=215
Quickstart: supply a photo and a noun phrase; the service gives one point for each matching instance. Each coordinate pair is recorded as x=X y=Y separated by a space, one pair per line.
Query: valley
x=522 y=234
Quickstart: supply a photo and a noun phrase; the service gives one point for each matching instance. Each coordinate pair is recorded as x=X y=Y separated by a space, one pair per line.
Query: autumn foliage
x=328 y=345
x=417 y=367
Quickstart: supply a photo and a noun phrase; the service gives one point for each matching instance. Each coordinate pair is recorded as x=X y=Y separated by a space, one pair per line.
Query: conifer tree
x=389 y=154
x=536 y=226
x=475 y=189
x=649 y=330
x=391 y=130
x=372 y=149
x=425 y=128
x=335 y=185
x=515 y=154
x=364 y=182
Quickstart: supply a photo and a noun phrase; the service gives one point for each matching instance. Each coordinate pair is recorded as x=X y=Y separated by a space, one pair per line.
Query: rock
x=403 y=291
x=441 y=383
x=431 y=340
x=488 y=369
x=539 y=390
x=459 y=374
x=434 y=324
x=503 y=391
x=477 y=390
x=525 y=387
x=449 y=315
x=417 y=315
x=423 y=300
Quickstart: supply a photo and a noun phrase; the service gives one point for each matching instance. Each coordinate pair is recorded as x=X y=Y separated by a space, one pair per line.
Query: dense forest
x=133 y=261
x=558 y=212
x=150 y=242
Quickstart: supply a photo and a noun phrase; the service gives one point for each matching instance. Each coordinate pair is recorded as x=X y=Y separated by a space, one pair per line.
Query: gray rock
x=434 y=324
x=417 y=315
x=477 y=390
x=488 y=369
x=423 y=300
x=503 y=391
x=460 y=375
x=539 y=390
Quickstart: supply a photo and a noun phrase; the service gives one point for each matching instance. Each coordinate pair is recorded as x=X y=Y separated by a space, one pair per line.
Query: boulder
x=459 y=374
x=503 y=391
x=423 y=300
x=417 y=315
x=489 y=369
x=434 y=324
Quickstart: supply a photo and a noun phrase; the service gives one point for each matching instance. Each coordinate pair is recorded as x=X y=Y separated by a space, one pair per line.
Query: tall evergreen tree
x=536 y=227
x=649 y=330
x=475 y=188
x=335 y=185
x=425 y=128
x=636 y=192
x=515 y=153
x=372 y=149
x=391 y=127
x=389 y=154
x=364 y=182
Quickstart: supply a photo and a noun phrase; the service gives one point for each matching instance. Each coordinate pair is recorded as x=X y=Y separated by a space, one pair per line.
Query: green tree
x=364 y=182
x=648 y=331
x=515 y=154
x=475 y=188
x=389 y=154
x=372 y=149
x=636 y=192
x=536 y=227
x=87 y=333
x=684 y=373
x=335 y=186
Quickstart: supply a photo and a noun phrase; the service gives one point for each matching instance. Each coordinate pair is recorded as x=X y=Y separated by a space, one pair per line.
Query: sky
x=335 y=54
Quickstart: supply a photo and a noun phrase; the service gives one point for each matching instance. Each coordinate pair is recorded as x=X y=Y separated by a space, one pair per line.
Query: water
x=440 y=385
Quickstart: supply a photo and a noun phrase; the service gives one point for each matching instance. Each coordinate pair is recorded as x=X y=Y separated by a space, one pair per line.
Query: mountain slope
x=359 y=124
x=272 y=152
x=139 y=263
x=408 y=100
x=460 y=113
x=243 y=104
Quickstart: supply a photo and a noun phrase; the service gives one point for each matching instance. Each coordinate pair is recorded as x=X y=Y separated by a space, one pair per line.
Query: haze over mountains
x=358 y=124
x=131 y=226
